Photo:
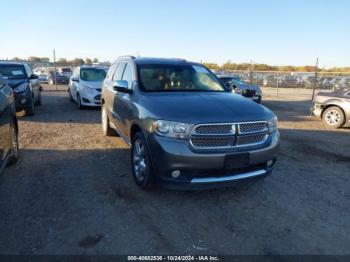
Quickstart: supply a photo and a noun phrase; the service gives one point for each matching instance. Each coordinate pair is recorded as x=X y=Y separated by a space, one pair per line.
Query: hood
x=92 y=84
x=15 y=82
x=203 y=107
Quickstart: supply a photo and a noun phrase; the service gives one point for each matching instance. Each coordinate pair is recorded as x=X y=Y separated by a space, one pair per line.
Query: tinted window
x=12 y=71
x=168 y=78
x=92 y=74
x=128 y=75
x=119 y=72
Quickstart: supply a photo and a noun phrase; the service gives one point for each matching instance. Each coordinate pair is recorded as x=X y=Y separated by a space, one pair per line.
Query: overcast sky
x=269 y=31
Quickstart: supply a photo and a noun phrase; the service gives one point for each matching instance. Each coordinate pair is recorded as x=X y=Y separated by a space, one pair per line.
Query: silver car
x=333 y=107
x=85 y=86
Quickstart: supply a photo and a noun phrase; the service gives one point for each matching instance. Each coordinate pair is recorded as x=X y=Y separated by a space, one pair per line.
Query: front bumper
x=91 y=100
x=202 y=170
x=23 y=99
x=317 y=110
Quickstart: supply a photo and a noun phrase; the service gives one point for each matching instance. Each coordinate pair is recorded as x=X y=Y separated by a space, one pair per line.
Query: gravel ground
x=72 y=193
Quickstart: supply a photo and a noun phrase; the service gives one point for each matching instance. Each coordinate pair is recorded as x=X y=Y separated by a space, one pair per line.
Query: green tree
x=95 y=60
x=88 y=61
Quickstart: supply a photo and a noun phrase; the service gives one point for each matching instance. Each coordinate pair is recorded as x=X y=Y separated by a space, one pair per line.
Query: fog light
x=270 y=163
x=176 y=173
x=23 y=101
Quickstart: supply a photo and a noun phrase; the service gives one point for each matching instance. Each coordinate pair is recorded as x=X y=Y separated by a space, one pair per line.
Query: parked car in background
x=252 y=92
x=344 y=82
x=8 y=126
x=85 y=86
x=185 y=128
x=25 y=84
x=66 y=71
x=333 y=108
x=57 y=78
x=43 y=75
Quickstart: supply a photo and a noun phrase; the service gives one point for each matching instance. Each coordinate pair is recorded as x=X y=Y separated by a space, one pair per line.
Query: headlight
x=21 y=88
x=172 y=129
x=88 y=90
x=272 y=125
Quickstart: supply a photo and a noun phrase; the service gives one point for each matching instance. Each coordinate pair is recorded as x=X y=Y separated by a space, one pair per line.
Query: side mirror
x=234 y=86
x=74 y=79
x=32 y=77
x=122 y=86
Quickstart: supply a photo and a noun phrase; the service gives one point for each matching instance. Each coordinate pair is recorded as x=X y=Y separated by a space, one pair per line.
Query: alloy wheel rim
x=333 y=117
x=139 y=160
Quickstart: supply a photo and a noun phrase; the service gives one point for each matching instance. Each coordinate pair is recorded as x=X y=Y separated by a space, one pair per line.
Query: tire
x=31 y=108
x=333 y=117
x=259 y=100
x=141 y=166
x=106 y=128
x=79 y=102
x=15 y=146
x=38 y=101
x=70 y=95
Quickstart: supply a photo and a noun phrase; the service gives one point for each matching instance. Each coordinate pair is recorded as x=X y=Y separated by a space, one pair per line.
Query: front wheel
x=15 y=154
x=107 y=130
x=30 y=109
x=38 y=101
x=333 y=117
x=80 y=106
x=141 y=162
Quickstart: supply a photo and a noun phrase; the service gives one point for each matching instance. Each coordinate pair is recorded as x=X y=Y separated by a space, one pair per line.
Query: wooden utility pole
x=251 y=72
x=315 y=81
x=54 y=64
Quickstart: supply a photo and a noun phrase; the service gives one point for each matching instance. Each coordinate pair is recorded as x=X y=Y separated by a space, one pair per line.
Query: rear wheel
x=106 y=128
x=141 y=162
x=333 y=117
x=14 y=154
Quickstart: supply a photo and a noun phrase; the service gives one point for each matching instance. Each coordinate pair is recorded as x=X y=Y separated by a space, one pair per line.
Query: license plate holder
x=235 y=161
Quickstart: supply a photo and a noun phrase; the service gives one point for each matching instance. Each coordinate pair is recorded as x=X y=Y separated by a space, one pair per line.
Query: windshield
x=12 y=71
x=232 y=81
x=92 y=74
x=172 y=78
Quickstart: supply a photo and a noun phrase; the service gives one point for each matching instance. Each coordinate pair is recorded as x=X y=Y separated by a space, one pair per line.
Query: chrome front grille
x=252 y=127
x=211 y=142
x=251 y=139
x=214 y=129
x=228 y=135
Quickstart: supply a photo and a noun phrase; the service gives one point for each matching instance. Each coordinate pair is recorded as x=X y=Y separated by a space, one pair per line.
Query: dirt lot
x=72 y=193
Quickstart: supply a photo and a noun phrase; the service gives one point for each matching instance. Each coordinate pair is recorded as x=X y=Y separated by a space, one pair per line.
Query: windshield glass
x=92 y=74
x=12 y=71
x=172 y=78
x=230 y=80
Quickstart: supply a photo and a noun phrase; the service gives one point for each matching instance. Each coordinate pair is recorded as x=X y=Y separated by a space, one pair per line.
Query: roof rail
x=126 y=56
